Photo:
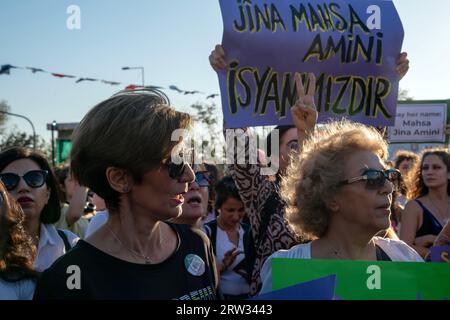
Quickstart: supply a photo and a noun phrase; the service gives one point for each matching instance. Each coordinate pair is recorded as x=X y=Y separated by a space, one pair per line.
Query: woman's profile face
x=434 y=172
x=32 y=200
x=159 y=195
x=358 y=205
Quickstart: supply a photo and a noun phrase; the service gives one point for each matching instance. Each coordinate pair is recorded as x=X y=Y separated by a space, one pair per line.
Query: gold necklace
x=136 y=254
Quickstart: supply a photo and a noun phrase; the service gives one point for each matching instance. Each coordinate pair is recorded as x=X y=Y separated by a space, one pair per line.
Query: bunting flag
x=172 y=87
x=60 y=75
x=6 y=69
x=34 y=70
x=113 y=83
x=85 y=79
x=192 y=92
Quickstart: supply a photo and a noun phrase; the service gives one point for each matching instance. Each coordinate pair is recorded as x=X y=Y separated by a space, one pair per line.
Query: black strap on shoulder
x=64 y=239
x=211 y=231
x=381 y=254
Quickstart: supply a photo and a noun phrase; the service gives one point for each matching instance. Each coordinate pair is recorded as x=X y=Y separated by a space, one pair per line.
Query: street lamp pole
x=53 y=142
x=142 y=72
x=23 y=117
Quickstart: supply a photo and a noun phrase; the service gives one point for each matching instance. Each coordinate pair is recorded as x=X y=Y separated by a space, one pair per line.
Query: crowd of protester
x=139 y=225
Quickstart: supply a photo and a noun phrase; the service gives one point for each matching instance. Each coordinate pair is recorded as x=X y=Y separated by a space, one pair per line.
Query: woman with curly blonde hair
x=429 y=187
x=339 y=195
x=17 y=277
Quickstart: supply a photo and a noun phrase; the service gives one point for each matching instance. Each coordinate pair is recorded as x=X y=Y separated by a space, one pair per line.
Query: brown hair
x=314 y=175
x=402 y=155
x=16 y=248
x=52 y=210
x=131 y=130
x=61 y=173
x=416 y=186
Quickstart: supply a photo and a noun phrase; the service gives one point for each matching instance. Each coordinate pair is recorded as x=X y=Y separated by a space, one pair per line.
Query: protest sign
x=351 y=47
x=319 y=289
x=419 y=123
x=368 y=279
x=440 y=254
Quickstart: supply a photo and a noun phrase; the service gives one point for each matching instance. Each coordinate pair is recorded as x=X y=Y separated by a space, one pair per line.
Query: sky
x=171 y=40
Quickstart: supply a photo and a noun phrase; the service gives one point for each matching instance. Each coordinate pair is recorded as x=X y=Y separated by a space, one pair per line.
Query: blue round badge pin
x=194 y=264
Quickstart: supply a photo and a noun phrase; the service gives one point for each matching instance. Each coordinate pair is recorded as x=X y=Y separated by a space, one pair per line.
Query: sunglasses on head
x=202 y=178
x=375 y=179
x=33 y=178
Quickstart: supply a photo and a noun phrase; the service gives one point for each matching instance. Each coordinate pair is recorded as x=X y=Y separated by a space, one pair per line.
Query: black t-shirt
x=188 y=274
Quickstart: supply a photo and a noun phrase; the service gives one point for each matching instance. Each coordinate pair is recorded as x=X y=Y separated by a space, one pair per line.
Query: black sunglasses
x=375 y=179
x=33 y=178
x=175 y=170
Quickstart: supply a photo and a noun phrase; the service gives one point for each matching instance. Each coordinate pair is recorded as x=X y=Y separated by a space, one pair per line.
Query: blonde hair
x=315 y=175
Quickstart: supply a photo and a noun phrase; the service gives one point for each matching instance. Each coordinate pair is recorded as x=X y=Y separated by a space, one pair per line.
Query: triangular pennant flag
x=4 y=69
x=85 y=79
x=172 y=87
x=132 y=87
x=154 y=87
x=34 y=70
x=192 y=92
x=60 y=75
x=113 y=83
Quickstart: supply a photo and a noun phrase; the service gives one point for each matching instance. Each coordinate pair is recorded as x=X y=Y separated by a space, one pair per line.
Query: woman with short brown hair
x=123 y=150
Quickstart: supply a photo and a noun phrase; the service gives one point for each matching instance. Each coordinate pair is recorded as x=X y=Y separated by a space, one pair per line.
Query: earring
x=126 y=189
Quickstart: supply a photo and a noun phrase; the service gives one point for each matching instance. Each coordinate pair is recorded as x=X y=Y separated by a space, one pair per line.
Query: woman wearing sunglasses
x=260 y=193
x=424 y=218
x=17 y=276
x=339 y=195
x=123 y=151
x=29 y=179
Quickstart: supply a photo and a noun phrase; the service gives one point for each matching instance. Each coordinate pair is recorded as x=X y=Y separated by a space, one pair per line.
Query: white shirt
x=51 y=246
x=231 y=282
x=96 y=222
x=19 y=290
x=397 y=250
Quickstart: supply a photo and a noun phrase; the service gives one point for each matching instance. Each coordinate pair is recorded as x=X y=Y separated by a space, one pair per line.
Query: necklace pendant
x=147 y=260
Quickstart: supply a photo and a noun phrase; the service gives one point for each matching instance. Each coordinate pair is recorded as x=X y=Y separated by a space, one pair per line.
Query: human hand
x=443 y=238
x=402 y=65
x=229 y=258
x=304 y=113
x=425 y=241
x=217 y=58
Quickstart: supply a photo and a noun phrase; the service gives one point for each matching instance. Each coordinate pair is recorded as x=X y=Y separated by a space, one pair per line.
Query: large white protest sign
x=419 y=123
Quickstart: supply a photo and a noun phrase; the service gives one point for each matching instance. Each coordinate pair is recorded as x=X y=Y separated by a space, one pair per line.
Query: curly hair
x=314 y=175
x=415 y=183
x=17 y=251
